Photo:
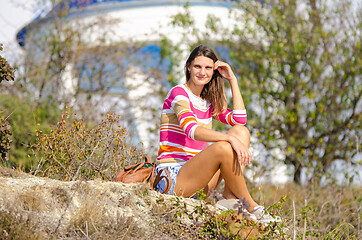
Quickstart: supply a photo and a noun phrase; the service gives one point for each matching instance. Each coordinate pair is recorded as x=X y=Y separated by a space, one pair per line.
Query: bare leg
x=228 y=194
x=243 y=134
x=197 y=173
x=214 y=182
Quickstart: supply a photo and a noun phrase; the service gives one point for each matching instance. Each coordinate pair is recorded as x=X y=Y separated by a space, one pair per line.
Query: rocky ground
x=92 y=209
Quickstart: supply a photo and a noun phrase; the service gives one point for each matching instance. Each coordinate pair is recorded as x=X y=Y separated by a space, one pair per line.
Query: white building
x=108 y=22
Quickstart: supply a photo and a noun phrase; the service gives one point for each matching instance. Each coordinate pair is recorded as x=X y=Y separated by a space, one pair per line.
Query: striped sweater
x=182 y=113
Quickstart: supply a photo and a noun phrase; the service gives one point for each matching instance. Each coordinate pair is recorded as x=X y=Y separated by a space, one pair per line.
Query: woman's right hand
x=242 y=152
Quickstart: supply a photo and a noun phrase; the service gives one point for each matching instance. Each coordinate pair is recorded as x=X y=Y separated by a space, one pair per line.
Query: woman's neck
x=194 y=89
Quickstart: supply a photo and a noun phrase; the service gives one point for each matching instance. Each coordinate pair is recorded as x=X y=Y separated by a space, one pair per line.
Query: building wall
x=130 y=22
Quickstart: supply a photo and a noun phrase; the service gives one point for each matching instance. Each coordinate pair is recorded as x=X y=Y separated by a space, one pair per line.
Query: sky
x=14 y=14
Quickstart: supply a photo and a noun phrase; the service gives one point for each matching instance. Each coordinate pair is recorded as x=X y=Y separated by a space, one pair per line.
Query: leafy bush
x=6 y=71
x=25 y=117
x=5 y=138
x=74 y=151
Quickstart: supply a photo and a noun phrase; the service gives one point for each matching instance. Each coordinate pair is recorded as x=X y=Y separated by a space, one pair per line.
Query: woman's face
x=201 y=70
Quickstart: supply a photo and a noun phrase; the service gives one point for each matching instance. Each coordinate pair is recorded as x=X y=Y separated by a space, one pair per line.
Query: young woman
x=186 y=129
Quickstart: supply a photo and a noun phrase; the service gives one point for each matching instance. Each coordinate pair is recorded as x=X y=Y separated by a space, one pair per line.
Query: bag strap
x=140 y=165
x=147 y=159
x=159 y=178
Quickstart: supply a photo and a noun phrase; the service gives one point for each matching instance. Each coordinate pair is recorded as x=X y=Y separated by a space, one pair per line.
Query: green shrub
x=6 y=71
x=24 y=117
x=74 y=151
x=5 y=139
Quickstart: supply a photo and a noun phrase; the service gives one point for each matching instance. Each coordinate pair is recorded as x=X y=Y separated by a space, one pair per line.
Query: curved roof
x=73 y=8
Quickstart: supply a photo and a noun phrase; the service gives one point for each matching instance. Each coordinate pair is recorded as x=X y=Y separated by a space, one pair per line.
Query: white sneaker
x=225 y=204
x=260 y=216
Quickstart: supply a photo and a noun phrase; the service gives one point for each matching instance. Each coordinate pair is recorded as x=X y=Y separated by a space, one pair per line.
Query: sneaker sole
x=221 y=207
x=276 y=220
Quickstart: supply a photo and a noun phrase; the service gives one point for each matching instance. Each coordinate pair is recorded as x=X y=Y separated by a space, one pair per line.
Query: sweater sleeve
x=235 y=117
x=180 y=103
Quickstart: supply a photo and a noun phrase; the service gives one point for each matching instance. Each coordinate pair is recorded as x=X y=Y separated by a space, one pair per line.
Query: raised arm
x=204 y=134
x=227 y=73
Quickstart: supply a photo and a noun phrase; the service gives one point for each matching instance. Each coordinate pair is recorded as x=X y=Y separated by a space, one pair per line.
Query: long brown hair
x=213 y=91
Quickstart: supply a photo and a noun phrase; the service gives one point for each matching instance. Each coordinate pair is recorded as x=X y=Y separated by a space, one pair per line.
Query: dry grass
x=14 y=173
x=311 y=212
x=12 y=227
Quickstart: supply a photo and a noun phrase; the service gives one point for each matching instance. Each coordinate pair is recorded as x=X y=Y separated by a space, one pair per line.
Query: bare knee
x=223 y=150
x=226 y=156
x=240 y=132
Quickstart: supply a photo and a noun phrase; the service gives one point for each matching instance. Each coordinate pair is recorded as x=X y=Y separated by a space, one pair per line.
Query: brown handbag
x=143 y=172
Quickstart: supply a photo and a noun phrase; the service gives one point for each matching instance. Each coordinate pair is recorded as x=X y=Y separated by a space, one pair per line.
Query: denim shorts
x=173 y=168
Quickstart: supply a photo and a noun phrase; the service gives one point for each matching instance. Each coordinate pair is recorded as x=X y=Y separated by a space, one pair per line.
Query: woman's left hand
x=243 y=154
x=224 y=70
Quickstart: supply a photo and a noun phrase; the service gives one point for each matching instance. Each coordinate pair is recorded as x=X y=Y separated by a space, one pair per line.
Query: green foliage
x=173 y=54
x=183 y=19
x=6 y=71
x=74 y=151
x=299 y=73
x=24 y=118
x=5 y=138
x=305 y=76
x=200 y=194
